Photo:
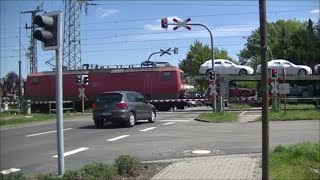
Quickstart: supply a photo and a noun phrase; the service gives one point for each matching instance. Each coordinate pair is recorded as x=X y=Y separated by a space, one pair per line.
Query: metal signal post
x=50 y=35
x=184 y=24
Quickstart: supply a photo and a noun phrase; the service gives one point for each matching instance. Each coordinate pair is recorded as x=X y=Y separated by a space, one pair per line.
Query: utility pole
x=20 y=83
x=33 y=42
x=71 y=34
x=265 y=95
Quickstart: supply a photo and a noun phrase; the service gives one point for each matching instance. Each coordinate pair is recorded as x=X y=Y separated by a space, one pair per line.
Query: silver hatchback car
x=124 y=107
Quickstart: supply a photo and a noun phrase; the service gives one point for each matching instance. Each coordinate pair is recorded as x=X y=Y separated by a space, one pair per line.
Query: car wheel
x=243 y=72
x=132 y=119
x=245 y=94
x=152 y=117
x=302 y=72
x=99 y=124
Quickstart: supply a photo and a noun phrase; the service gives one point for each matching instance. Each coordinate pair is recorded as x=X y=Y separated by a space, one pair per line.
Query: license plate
x=106 y=114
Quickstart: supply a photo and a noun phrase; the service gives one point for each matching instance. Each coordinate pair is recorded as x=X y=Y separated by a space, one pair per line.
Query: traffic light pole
x=59 y=111
x=214 y=100
x=59 y=99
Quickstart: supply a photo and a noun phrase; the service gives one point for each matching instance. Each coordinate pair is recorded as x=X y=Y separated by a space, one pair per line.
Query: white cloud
x=315 y=11
x=106 y=12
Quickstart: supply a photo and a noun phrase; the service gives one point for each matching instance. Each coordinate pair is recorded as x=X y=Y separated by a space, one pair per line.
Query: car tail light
x=94 y=105
x=121 y=105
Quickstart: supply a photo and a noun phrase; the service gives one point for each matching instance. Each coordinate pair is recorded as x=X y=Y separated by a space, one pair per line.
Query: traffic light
x=274 y=73
x=49 y=32
x=175 y=50
x=79 y=79
x=164 y=23
x=212 y=75
x=85 y=79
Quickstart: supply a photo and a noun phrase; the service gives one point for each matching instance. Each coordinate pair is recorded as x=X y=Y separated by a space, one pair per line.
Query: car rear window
x=110 y=97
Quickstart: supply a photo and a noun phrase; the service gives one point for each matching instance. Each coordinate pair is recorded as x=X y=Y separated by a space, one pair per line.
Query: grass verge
x=234 y=106
x=299 y=161
x=14 y=119
x=124 y=167
x=218 y=117
x=292 y=115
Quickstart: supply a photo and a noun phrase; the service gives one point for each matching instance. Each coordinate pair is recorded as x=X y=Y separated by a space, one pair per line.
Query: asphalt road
x=174 y=135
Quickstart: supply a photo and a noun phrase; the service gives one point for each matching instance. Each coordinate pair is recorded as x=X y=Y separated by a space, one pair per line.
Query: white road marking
x=175 y=120
x=48 y=132
x=148 y=129
x=243 y=113
x=119 y=137
x=169 y=123
x=8 y=171
x=73 y=152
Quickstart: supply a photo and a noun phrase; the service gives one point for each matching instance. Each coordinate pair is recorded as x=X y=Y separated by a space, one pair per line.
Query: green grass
x=299 y=106
x=234 y=106
x=218 y=117
x=299 y=161
x=13 y=119
x=291 y=115
x=124 y=167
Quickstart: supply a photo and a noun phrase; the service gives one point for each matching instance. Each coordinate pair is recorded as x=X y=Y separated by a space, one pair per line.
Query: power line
x=206 y=15
x=155 y=40
x=134 y=49
x=194 y=4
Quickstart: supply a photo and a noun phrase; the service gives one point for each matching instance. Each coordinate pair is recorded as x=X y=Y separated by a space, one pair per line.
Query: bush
x=127 y=165
x=98 y=171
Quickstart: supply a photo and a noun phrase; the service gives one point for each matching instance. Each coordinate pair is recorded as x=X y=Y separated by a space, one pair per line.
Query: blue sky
x=127 y=32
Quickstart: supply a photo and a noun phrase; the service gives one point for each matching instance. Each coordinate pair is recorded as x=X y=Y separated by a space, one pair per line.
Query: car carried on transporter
x=290 y=68
x=223 y=66
x=123 y=107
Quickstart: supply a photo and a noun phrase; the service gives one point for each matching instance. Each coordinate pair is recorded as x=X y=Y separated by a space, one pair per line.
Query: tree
x=197 y=55
x=10 y=83
x=293 y=40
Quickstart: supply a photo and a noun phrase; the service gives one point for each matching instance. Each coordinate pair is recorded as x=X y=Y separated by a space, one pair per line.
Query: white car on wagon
x=290 y=68
x=223 y=66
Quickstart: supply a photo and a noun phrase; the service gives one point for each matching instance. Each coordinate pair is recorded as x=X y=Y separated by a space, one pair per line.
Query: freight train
x=155 y=83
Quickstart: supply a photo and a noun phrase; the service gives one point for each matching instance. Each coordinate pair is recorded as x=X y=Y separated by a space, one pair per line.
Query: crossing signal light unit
x=85 y=79
x=164 y=23
x=274 y=73
x=212 y=75
x=79 y=79
x=49 y=30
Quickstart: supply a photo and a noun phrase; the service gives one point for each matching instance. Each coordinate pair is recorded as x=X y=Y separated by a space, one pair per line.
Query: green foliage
x=248 y=84
x=292 y=115
x=197 y=55
x=298 y=161
x=299 y=42
x=47 y=177
x=13 y=176
x=13 y=119
x=127 y=165
x=218 y=117
x=97 y=171
x=237 y=106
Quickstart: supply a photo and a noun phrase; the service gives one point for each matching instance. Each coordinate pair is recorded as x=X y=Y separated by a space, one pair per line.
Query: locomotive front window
x=34 y=80
x=166 y=76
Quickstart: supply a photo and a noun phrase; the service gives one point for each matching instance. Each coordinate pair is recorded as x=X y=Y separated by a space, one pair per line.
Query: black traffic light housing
x=85 y=79
x=79 y=79
x=274 y=73
x=212 y=75
x=49 y=34
x=164 y=23
x=175 y=50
